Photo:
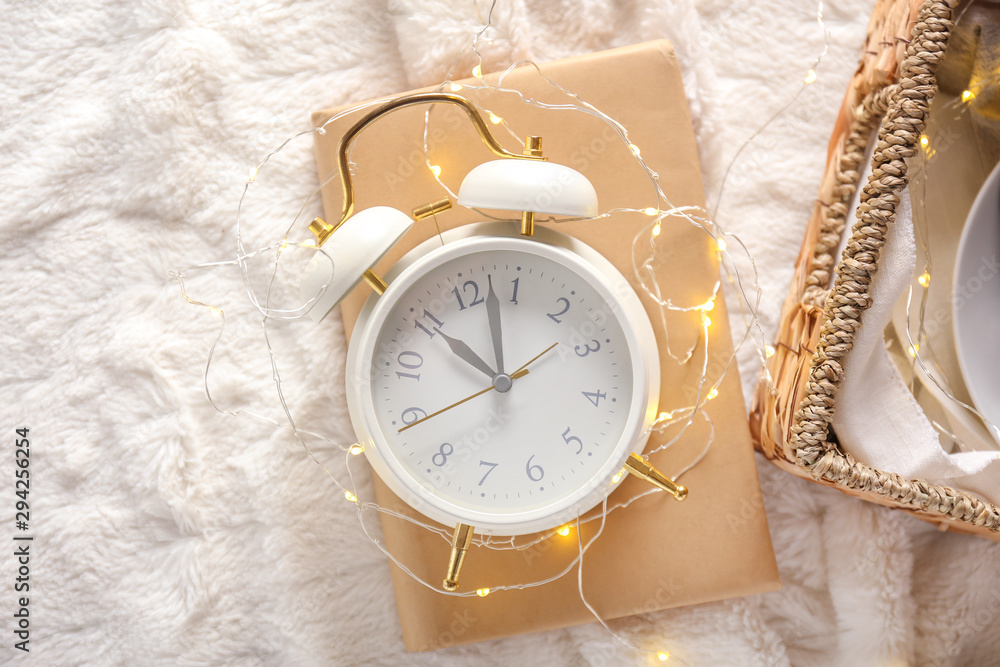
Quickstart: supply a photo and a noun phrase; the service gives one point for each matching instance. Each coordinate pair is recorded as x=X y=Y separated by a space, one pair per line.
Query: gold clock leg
x=460 y=543
x=533 y=147
x=375 y=281
x=527 y=223
x=638 y=466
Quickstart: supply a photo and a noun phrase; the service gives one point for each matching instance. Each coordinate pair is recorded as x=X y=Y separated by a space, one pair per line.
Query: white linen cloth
x=878 y=420
x=170 y=534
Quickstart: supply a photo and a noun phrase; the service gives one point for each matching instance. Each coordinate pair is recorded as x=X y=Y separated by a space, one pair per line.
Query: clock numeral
x=513 y=297
x=534 y=470
x=492 y=468
x=413 y=360
x=476 y=299
x=420 y=325
x=442 y=454
x=567 y=438
x=413 y=415
x=594 y=396
x=582 y=351
x=555 y=316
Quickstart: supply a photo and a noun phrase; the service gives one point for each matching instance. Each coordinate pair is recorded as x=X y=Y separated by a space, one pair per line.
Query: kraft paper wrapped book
x=656 y=553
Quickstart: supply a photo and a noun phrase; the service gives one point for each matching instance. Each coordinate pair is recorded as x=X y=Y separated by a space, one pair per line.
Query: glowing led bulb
x=350 y=496
x=664 y=416
x=483 y=592
x=708 y=305
x=564 y=531
x=635 y=150
x=252 y=174
x=357 y=449
x=477 y=72
x=650 y=211
x=924 y=279
x=656 y=229
x=663 y=656
x=455 y=87
x=967 y=95
x=810 y=76
x=706 y=320
x=912 y=350
x=924 y=141
x=495 y=119
x=712 y=394
x=436 y=170
x=618 y=476
x=768 y=351
x=721 y=245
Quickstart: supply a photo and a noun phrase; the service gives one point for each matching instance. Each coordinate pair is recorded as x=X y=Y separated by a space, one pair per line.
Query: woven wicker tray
x=891 y=91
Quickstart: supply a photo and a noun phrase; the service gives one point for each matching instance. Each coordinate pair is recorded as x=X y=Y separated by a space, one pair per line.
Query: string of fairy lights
x=742 y=286
x=919 y=343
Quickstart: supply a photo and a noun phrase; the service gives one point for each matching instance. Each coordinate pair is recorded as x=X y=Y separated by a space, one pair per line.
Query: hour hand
x=466 y=354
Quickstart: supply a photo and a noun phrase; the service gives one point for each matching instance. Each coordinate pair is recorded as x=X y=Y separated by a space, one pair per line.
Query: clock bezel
x=573 y=254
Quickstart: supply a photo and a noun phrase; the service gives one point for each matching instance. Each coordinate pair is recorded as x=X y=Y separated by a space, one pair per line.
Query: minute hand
x=493 y=313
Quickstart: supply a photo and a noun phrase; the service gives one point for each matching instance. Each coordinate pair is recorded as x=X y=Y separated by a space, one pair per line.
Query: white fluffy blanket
x=168 y=533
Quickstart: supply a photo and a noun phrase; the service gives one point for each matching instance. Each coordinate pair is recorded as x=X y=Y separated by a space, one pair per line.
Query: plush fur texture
x=169 y=533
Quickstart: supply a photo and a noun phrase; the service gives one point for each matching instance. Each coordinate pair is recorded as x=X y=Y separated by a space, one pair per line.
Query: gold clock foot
x=638 y=466
x=460 y=543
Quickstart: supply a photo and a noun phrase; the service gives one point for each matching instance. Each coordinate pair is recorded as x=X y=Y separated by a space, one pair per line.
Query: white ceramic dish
x=938 y=222
x=976 y=300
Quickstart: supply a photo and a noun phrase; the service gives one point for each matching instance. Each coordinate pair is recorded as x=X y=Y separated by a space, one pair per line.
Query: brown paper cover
x=656 y=553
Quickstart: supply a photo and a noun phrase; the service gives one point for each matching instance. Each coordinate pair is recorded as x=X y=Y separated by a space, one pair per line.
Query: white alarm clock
x=499 y=377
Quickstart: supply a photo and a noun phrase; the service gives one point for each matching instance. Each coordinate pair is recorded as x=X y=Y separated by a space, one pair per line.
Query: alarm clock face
x=502 y=381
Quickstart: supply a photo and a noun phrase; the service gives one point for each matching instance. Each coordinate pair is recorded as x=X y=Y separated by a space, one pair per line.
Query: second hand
x=519 y=373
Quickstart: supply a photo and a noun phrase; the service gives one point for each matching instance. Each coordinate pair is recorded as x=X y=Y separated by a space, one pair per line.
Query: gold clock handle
x=460 y=543
x=639 y=467
x=323 y=232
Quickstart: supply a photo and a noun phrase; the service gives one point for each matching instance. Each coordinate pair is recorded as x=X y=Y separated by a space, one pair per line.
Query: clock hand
x=493 y=312
x=465 y=353
x=519 y=373
x=534 y=359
